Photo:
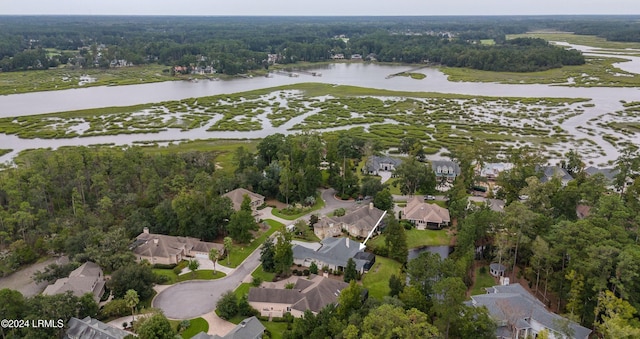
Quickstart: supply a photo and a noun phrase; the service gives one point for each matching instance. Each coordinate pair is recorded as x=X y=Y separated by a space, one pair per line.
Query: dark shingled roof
x=250 y=328
x=334 y=251
x=313 y=294
x=514 y=305
x=89 y=328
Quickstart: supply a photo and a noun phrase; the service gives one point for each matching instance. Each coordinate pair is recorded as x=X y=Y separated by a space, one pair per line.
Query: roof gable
x=237 y=196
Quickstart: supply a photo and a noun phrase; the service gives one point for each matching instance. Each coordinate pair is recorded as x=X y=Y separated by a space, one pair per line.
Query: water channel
x=605 y=99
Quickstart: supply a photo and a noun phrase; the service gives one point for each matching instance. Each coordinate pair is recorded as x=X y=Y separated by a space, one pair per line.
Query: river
x=606 y=100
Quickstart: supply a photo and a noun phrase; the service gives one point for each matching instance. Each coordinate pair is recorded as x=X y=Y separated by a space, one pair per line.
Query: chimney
x=155 y=241
x=370 y=205
x=346 y=241
x=145 y=230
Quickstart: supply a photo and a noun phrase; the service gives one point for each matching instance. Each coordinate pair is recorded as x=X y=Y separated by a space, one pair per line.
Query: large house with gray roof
x=377 y=164
x=357 y=223
x=89 y=328
x=519 y=314
x=168 y=250
x=551 y=172
x=445 y=170
x=334 y=253
x=311 y=294
x=88 y=278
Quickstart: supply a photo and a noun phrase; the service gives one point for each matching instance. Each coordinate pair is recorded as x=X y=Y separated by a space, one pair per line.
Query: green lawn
x=200 y=275
x=418 y=238
x=482 y=280
x=240 y=252
x=260 y=273
x=377 y=279
x=196 y=326
x=242 y=289
x=275 y=328
x=318 y=205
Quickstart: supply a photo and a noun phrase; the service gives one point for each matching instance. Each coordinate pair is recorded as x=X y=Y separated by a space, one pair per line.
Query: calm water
x=443 y=251
x=606 y=100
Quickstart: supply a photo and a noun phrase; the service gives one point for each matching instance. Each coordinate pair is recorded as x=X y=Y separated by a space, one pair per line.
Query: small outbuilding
x=497 y=270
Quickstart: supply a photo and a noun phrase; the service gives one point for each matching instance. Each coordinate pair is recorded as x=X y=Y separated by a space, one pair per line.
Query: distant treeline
x=233 y=45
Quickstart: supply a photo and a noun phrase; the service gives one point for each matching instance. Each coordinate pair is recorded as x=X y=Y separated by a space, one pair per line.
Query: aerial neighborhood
x=319 y=177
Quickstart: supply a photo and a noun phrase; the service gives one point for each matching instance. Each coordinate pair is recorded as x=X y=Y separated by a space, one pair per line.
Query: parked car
x=429 y=197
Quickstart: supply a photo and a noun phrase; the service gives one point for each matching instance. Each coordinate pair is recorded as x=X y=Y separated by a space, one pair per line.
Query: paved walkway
x=206 y=264
x=217 y=325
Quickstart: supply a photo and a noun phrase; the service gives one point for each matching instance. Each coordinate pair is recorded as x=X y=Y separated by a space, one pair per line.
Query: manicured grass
x=318 y=205
x=242 y=289
x=260 y=273
x=275 y=328
x=418 y=238
x=5 y=151
x=241 y=252
x=196 y=326
x=200 y=275
x=487 y=42
x=482 y=280
x=377 y=279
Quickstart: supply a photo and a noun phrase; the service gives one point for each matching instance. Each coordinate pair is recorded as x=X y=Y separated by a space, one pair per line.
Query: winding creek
x=605 y=100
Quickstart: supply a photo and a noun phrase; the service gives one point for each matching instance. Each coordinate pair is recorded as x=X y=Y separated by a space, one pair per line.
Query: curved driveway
x=194 y=298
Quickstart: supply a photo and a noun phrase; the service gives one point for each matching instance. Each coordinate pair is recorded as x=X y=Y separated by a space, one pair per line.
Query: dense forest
x=89 y=204
x=233 y=45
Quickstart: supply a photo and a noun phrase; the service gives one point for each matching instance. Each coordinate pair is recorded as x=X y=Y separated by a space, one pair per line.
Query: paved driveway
x=194 y=298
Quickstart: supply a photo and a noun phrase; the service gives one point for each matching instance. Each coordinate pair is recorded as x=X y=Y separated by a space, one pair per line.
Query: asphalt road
x=194 y=298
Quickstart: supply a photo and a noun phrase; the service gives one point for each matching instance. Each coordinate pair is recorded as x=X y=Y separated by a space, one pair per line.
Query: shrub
x=256 y=281
x=298 y=273
x=483 y=269
x=114 y=309
x=339 y=212
x=164 y=267
x=313 y=268
x=294 y=272
x=307 y=272
x=227 y=306
x=289 y=286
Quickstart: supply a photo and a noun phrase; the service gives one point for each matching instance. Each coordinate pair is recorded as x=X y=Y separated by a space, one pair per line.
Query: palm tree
x=228 y=243
x=213 y=256
x=132 y=300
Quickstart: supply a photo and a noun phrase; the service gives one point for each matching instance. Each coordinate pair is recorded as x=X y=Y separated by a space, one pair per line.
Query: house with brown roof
x=168 y=250
x=88 y=278
x=237 y=196
x=358 y=223
x=307 y=294
x=424 y=215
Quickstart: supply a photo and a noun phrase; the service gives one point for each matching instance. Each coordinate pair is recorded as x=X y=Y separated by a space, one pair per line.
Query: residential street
x=194 y=298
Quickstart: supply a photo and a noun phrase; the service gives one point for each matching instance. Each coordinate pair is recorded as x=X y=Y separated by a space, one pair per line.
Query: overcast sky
x=319 y=7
